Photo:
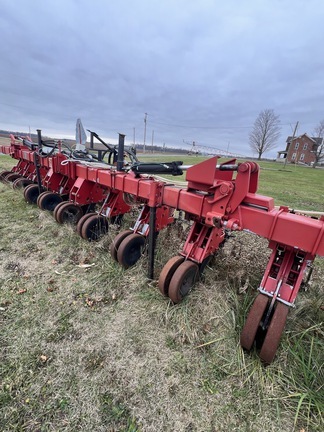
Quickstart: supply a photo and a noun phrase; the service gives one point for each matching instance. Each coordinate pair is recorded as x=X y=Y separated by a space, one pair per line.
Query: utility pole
x=145 y=121
x=152 y=139
x=292 y=139
x=134 y=136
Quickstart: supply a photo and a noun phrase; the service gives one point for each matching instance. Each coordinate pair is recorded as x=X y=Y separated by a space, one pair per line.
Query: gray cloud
x=201 y=70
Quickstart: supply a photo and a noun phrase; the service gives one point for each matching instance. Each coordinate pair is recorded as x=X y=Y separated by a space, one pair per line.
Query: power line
x=208 y=127
x=201 y=127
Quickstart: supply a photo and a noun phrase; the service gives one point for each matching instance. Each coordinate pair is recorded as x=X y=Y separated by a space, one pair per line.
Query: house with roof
x=300 y=149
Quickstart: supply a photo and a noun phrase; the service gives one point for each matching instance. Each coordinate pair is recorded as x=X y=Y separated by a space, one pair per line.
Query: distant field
x=4 y=141
x=88 y=346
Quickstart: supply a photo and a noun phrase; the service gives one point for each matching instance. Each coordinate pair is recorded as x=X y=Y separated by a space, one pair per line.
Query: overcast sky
x=202 y=70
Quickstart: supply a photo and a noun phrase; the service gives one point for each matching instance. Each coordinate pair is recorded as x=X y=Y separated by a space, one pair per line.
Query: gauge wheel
x=94 y=227
x=21 y=183
x=3 y=174
x=82 y=220
x=183 y=280
x=274 y=332
x=117 y=241
x=31 y=193
x=130 y=250
x=10 y=178
x=48 y=201
x=57 y=208
x=69 y=213
x=253 y=321
x=40 y=196
x=167 y=273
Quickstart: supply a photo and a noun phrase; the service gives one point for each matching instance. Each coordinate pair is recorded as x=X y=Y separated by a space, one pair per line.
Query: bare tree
x=265 y=132
x=319 y=149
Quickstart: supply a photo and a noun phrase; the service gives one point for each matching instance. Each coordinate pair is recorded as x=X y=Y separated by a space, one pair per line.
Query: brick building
x=300 y=149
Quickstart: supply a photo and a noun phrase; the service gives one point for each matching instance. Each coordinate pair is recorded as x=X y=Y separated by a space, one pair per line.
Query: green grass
x=298 y=187
x=100 y=349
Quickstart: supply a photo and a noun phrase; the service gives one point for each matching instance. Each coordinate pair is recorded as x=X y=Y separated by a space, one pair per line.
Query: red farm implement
x=80 y=188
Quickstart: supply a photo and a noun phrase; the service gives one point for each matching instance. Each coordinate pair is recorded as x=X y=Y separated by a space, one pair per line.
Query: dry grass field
x=4 y=141
x=88 y=346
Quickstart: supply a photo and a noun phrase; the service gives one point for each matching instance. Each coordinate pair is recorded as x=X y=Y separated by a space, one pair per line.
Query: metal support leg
x=39 y=179
x=36 y=161
x=151 y=245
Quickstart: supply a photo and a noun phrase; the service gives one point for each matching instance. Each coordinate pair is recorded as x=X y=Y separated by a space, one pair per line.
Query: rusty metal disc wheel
x=40 y=196
x=48 y=201
x=31 y=193
x=253 y=320
x=274 y=332
x=57 y=208
x=69 y=213
x=11 y=177
x=82 y=220
x=183 y=280
x=117 y=241
x=130 y=250
x=94 y=227
x=3 y=174
x=167 y=273
x=21 y=183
